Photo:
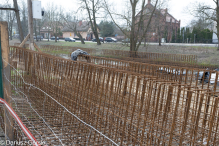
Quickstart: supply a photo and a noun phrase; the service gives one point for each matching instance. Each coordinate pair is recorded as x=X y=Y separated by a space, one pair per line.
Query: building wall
x=68 y=34
x=86 y=35
x=165 y=23
x=72 y=34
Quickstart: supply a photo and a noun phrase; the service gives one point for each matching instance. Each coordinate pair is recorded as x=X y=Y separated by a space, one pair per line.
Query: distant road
x=185 y=44
x=64 y=40
x=165 y=44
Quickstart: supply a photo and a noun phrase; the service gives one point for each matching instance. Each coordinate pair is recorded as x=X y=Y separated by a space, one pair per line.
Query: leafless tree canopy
x=54 y=21
x=135 y=21
x=72 y=24
x=92 y=7
x=208 y=14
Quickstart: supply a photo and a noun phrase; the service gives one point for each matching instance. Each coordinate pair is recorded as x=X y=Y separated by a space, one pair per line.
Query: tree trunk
x=18 y=21
x=93 y=25
x=48 y=36
x=159 y=39
x=79 y=35
x=218 y=41
x=82 y=40
x=132 y=35
x=159 y=36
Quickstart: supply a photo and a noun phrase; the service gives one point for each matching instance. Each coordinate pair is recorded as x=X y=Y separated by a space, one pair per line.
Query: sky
x=177 y=8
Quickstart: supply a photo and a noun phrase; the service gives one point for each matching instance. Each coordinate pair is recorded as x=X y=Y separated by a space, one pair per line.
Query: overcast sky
x=177 y=8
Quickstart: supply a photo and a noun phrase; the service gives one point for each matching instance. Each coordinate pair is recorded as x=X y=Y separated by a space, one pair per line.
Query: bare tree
x=208 y=13
x=73 y=24
x=10 y=14
x=10 y=17
x=92 y=7
x=54 y=19
x=24 y=20
x=138 y=19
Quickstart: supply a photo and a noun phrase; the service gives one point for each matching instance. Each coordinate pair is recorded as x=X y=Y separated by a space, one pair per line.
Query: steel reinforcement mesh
x=184 y=75
x=77 y=103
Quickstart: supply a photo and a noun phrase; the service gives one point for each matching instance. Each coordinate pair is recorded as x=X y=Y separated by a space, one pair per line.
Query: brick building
x=163 y=24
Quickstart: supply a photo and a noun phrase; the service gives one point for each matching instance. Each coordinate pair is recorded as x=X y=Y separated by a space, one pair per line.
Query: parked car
x=110 y=40
x=79 y=39
x=94 y=40
x=126 y=41
x=53 y=38
x=69 y=40
x=38 y=37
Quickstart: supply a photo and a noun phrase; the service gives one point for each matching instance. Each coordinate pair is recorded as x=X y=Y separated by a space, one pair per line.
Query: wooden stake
x=38 y=49
x=24 y=41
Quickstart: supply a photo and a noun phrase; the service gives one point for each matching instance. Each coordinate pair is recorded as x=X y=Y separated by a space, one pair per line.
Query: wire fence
x=78 y=103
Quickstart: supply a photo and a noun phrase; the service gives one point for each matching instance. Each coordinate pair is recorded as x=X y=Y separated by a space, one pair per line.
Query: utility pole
x=30 y=23
x=18 y=21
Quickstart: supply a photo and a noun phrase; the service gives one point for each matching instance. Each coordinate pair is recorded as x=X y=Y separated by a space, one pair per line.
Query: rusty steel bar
x=174 y=73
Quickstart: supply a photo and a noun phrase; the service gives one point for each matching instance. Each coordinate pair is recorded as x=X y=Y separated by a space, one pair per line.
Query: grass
x=205 y=54
x=86 y=45
x=56 y=52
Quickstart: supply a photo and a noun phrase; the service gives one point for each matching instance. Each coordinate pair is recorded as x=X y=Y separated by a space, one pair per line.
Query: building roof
x=80 y=26
x=163 y=12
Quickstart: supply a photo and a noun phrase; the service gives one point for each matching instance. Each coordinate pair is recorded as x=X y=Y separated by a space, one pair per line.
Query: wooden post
x=6 y=74
x=18 y=21
x=24 y=41
x=30 y=23
x=1 y=70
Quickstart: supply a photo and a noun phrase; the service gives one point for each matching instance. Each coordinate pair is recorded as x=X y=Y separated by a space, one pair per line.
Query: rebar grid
x=182 y=75
x=129 y=108
x=152 y=56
